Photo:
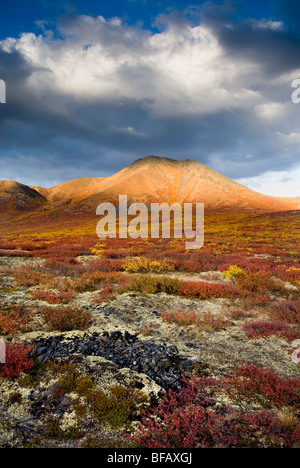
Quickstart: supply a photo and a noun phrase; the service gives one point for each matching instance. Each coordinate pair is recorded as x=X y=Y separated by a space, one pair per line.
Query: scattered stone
x=161 y=363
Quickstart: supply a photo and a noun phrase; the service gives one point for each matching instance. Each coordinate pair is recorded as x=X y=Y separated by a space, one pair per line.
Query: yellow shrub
x=233 y=272
x=97 y=249
x=144 y=265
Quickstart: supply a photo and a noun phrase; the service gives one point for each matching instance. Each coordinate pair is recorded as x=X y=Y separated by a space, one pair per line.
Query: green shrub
x=74 y=383
x=116 y=409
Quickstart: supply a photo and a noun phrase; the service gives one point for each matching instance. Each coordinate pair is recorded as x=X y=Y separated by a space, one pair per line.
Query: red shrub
x=287 y=311
x=105 y=265
x=266 y=328
x=204 y=290
x=190 y=420
x=52 y=262
x=114 y=253
x=253 y=299
x=203 y=261
x=205 y=321
x=17 y=360
x=251 y=381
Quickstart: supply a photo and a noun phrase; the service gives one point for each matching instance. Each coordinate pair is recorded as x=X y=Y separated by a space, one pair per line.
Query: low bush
x=202 y=261
x=204 y=290
x=72 y=382
x=60 y=297
x=183 y=317
x=260 y=282
x=153 y=285
x=118 y=408
x=286 y=311
x=89 y=281
x=264 y=328
x=145 y=265
x=215 y=322
x=15 y=319
x=206 y=321
x=30 y=276
x=17 y=360
x=251 y=383
x=240 y=314
x=67 y=318
x=233 y=272
x=107 y=294
x=112 y=285
x=190 y=419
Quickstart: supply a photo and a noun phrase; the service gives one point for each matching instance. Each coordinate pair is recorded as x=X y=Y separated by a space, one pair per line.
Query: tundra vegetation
x=232 y=309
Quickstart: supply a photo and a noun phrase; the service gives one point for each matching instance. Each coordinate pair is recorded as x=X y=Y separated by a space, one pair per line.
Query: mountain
x=75 y=190
x=151 y=179
x=161 y=179
x=19 y=197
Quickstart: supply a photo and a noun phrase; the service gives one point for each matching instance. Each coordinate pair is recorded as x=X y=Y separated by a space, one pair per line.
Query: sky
x=94 y=85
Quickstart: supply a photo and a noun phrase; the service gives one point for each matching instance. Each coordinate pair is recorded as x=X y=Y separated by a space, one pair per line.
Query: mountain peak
x=153 y=159
x=162 y=160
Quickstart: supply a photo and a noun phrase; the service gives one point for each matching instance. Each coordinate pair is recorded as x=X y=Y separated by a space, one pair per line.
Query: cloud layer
x=94 y=94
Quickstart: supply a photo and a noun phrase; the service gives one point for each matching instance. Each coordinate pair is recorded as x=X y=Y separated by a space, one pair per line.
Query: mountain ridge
x=150 y=179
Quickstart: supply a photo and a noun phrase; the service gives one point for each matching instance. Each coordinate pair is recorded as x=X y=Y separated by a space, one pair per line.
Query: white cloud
x=272 y=25
x=272 y=111
x=277 y=184
x=182 y=71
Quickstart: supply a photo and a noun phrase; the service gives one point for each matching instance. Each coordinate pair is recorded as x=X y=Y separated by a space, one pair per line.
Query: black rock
x=161 y=363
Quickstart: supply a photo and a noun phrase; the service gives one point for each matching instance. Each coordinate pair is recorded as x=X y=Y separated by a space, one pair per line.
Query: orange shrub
x=61 y=297
x=215 y=322
x=107 y=294
x=204 y=290
x=259 y=282
x=30 y=276
x=183 y=318
x=67 y=318
x=15 y=319
x=207 y=321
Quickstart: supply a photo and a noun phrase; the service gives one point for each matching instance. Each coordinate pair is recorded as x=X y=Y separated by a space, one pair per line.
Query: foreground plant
x=263 y=328
x=144 y=265
x=17 y=360
x=15 y=319
x=67 y=318
x=203 y=321
x=191 y=419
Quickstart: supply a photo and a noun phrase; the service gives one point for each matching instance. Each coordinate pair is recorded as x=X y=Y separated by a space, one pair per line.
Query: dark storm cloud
x=276 y=47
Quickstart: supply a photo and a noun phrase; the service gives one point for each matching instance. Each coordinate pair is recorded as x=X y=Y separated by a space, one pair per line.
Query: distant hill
x=18 y=197
x=151 y=179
